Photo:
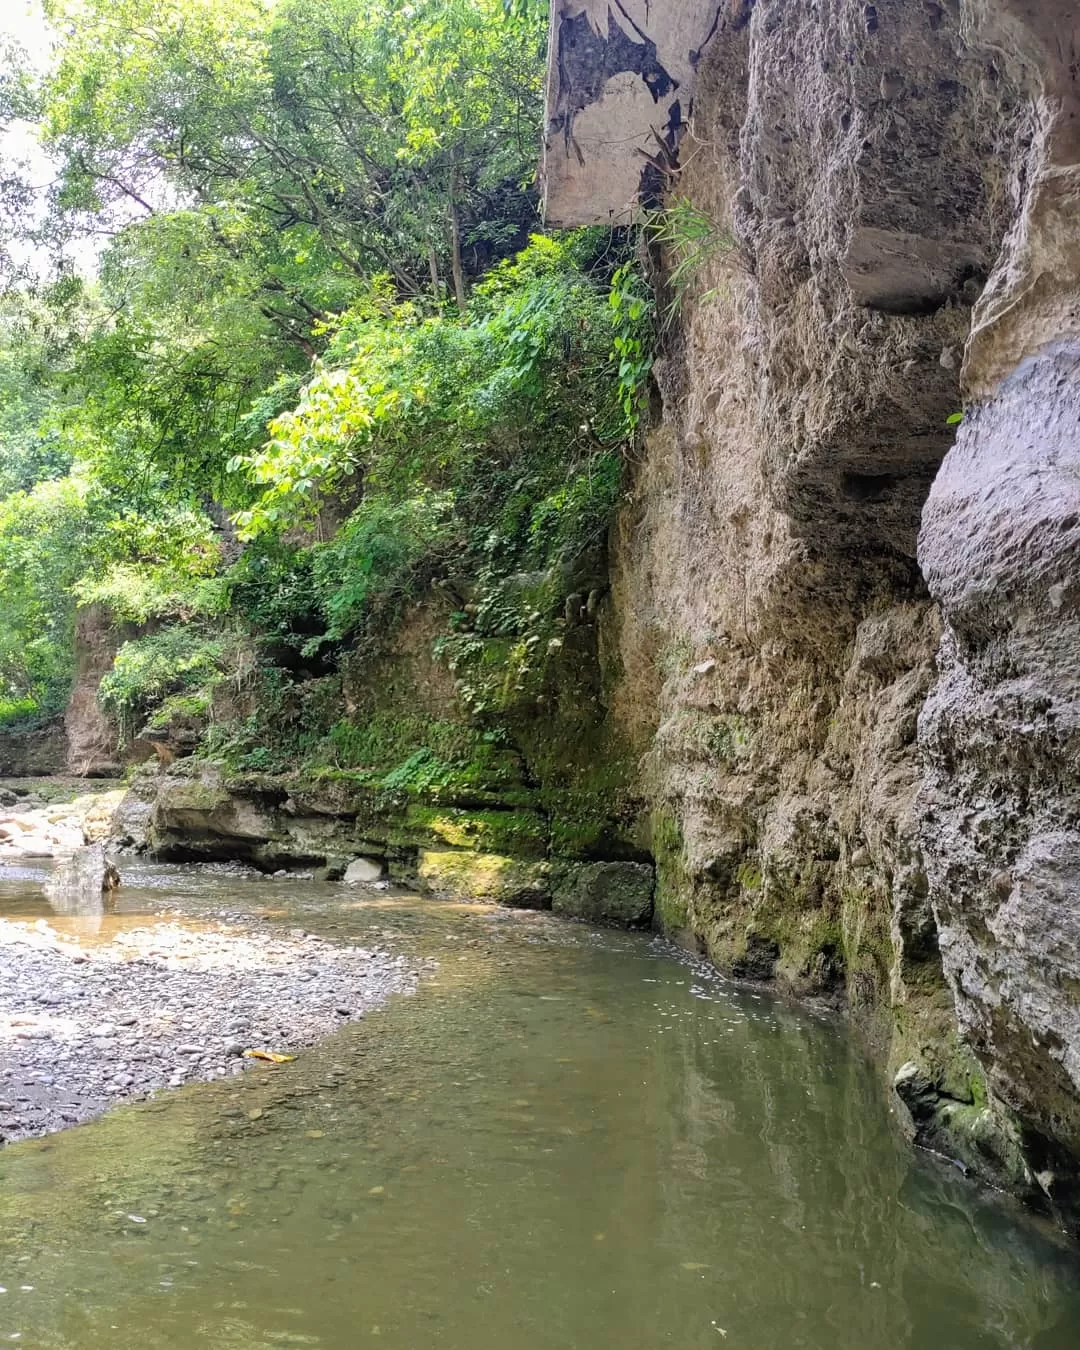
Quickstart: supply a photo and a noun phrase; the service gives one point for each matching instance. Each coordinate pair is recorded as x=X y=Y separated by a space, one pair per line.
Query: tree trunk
x=461 y=293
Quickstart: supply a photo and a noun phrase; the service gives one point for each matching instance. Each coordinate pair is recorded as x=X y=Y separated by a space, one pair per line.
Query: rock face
x=606 y=892
x=1001 y=801
x=33 y=754
x=1001 y=733
x=356 y=833
x=766 y=581
x=861 y=742
x=92 y=739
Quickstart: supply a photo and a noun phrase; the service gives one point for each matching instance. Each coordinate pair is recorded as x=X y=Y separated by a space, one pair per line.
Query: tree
x=387 y=137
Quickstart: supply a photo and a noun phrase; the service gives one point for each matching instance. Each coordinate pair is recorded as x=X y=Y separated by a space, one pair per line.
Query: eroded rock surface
x=1000 y=541
x=35 y=753
x=893 y=190
x=356 y=832
x=92 y=737
x=776 y=634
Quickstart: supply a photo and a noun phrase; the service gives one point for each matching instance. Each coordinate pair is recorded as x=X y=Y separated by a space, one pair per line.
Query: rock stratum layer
x=850 y=647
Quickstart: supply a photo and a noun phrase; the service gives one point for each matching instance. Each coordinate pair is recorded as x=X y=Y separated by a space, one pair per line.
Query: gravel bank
x=83 y=1027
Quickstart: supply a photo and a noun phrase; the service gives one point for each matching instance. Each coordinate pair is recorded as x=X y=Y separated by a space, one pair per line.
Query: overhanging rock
x=620 y=84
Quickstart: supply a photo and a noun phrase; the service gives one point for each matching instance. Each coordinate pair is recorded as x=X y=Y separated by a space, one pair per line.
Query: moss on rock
x=453 y=874
x=518 y=833
x=674 y=884
x=618 y=893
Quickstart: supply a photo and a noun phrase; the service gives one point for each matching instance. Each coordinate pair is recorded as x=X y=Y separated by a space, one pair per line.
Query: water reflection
x=564 y=1141
x=83 y=888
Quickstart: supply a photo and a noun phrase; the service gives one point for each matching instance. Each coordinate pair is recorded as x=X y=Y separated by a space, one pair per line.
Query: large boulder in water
x=82 y=881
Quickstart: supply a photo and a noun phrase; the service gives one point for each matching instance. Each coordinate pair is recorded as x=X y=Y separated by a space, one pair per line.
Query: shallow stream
x=566 y=1140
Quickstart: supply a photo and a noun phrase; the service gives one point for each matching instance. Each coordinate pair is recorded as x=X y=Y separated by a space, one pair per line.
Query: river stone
x=79 y=884
x=362 y=870
x=605 y=892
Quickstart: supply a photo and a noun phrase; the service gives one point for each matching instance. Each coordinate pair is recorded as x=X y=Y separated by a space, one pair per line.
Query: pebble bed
x=85 y=1026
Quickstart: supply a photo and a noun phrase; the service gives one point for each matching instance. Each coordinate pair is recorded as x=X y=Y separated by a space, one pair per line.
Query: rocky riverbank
x=84 y=1026
x=32 y=826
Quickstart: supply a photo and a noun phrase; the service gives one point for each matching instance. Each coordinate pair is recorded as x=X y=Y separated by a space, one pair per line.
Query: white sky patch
x=24 y=21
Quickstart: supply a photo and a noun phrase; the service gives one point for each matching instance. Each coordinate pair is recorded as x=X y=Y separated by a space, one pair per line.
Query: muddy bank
x=85 y=1025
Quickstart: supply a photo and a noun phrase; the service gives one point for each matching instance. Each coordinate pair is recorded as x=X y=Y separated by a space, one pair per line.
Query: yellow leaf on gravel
x=270 y=1055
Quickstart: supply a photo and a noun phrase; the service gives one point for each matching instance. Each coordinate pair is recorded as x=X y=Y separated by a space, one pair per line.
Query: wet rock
x=982 y=1141
x=461 y=875
x=82 y=881
x=605 y=892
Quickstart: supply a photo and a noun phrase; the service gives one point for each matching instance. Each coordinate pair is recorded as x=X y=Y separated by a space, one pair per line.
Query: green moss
x=592 y=816
x=676 y=656
x=183 y=707
x=790 y=914
x=868 y=948
x=749 y=876
x=500 y=880
x=728 y=737
x=618 y=893
x=423 y=757
x=518 y=833
x=673 y=883
x=196 y=796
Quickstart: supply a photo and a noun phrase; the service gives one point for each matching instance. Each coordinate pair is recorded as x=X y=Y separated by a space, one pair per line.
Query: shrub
x=148 y=670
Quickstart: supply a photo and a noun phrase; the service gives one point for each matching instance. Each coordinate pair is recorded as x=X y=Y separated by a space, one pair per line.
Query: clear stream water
x=567 y=1140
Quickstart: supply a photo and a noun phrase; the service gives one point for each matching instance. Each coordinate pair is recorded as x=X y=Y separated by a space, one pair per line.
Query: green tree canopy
x=328 y=136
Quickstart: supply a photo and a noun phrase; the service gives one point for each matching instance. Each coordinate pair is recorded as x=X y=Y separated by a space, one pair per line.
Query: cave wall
x=858 y=739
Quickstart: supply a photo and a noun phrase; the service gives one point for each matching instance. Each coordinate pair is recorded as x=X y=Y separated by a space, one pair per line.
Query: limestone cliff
x=33 y=753
x=859 y=739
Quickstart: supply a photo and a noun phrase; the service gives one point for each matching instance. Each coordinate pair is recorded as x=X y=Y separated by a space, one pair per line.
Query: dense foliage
x=327 y=364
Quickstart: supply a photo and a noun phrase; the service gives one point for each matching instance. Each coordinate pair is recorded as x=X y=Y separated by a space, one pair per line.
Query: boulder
x=363 y=870
x=619 y=893
x=459 y=875
x=78 y=885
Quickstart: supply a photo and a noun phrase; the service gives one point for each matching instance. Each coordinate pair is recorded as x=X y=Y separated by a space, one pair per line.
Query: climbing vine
x=632 y=310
